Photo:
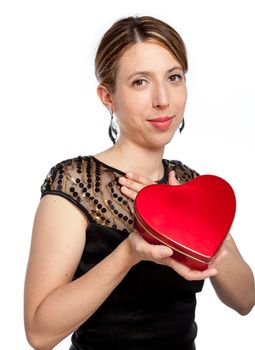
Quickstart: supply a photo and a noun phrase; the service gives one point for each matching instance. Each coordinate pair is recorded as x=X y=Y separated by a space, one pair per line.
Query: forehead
x=146 y=56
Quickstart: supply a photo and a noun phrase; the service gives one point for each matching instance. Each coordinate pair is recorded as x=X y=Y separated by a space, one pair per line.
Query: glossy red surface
x=193 y=218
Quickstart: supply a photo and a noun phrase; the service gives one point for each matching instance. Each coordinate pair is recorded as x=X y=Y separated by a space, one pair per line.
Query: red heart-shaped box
x=193 y=218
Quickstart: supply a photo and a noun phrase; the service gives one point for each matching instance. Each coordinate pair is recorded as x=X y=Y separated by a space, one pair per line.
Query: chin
x=160 y=142
x=166 y=139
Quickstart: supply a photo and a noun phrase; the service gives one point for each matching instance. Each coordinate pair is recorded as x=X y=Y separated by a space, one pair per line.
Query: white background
x=50 y=111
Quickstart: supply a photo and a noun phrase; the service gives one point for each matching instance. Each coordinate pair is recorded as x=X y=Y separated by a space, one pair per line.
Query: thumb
x=172 y=179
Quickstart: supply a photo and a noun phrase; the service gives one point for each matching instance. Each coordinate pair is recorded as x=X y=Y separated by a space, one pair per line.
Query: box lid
x=194 y=217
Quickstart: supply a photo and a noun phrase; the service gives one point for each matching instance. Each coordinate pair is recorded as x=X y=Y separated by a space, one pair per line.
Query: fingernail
x=224 y=253
x=122 y=180
x=129 y=174
x=168 y=251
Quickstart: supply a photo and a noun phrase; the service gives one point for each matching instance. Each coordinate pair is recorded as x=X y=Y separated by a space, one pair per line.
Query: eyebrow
x=148 y=72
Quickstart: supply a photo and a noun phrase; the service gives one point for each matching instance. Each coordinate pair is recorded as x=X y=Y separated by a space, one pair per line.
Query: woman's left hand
x=133 y=183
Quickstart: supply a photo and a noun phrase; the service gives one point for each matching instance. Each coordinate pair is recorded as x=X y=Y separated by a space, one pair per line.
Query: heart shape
x=193 y=218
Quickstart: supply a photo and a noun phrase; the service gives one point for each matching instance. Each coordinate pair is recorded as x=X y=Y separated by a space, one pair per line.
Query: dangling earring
x=112 y=130
x=182 y=125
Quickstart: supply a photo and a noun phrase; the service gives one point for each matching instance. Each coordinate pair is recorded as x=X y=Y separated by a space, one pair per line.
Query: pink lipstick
x=161 y=123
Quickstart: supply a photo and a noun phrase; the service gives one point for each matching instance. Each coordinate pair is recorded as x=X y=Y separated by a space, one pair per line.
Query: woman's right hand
x=140 y=250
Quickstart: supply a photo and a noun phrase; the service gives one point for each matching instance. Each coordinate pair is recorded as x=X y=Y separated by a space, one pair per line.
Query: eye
x=175 y=77
x=139 y=82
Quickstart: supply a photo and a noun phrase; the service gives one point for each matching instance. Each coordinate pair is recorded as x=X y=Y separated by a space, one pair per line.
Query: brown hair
x=128 y=31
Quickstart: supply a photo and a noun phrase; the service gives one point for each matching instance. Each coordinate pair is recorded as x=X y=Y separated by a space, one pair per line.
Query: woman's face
x=150 y=95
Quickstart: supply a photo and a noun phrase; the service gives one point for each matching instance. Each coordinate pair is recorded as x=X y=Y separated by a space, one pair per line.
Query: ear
x=105 y=96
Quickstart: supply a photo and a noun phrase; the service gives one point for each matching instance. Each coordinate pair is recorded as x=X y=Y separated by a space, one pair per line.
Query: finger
x=128 y=192
x=149 y=251
x=139 y=178
x=228 y=237
x=130 y=184
x=172 y=179
x=190 y=274
x=158 y=252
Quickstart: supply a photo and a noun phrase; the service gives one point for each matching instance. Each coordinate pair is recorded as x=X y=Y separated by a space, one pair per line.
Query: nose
x=161 y=96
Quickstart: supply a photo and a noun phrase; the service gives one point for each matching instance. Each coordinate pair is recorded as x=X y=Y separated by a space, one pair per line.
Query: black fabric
x=188 y=347
x=184 y=347
x=153 y=307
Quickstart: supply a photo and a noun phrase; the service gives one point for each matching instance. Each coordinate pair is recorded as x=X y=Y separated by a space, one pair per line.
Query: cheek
x=181 y=98
x=131 y=105
x=137 y=99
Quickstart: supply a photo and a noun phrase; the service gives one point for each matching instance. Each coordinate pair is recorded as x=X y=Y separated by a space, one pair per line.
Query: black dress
x=153 y=308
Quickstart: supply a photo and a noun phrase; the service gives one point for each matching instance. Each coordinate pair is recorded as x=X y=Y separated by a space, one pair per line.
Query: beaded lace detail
x=93 y=186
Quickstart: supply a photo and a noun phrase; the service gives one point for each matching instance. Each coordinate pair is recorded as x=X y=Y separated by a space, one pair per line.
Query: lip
x=162 y=118
x=162 y=122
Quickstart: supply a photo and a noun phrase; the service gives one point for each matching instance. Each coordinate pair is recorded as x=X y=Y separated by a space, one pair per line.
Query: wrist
x=128 y=257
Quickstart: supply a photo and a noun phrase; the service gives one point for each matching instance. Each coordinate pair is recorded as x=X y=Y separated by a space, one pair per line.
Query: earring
x=112 y=130
x=182 y=126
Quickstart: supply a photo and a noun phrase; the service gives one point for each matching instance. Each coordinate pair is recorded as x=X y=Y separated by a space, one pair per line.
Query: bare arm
x=234 y=283
x=54 y=304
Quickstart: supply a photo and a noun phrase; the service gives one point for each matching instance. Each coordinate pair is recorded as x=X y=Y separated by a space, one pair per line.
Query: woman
x=89 y=272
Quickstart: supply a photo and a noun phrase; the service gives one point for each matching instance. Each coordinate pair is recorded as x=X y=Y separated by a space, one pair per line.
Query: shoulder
x=66 y=177
x=94 y=188
x=183 y=172
x=62 y=173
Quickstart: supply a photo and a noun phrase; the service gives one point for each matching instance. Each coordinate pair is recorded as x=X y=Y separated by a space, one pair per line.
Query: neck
x=127 y=156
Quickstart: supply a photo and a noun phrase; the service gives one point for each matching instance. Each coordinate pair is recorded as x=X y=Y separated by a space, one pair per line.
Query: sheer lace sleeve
x=64 y=180
x=94 y=188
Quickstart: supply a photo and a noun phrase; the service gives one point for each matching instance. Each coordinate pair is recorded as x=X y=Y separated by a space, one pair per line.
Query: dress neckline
x=163 y=180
